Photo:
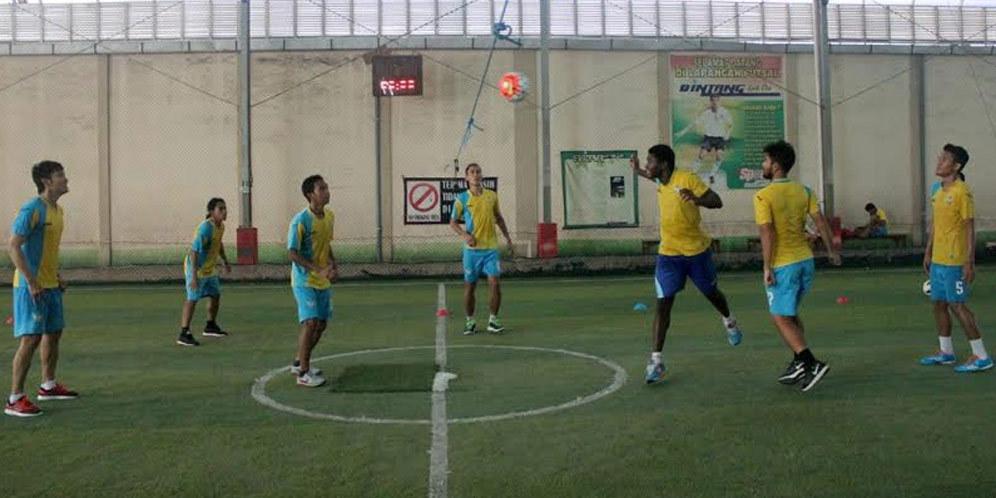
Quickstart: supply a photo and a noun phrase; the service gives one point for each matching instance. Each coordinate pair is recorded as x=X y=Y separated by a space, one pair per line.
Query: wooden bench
x=650 y=246
x=899 y=239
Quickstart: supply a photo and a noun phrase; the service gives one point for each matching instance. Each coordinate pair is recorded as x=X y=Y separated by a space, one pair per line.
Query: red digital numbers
x=397 y=86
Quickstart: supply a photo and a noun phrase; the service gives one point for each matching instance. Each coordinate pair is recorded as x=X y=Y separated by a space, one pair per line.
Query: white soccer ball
x=926 y=287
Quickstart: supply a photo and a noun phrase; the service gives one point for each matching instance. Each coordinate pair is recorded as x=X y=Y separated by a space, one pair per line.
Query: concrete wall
x=173 y=128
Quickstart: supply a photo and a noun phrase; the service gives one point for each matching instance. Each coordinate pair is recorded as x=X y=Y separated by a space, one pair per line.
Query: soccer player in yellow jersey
x=684 y=249
x=950 y=261
x=313 y=270
x=38 y=287
x=477 y=207
x=780 y=210
x=200 y=274
x=878 y=223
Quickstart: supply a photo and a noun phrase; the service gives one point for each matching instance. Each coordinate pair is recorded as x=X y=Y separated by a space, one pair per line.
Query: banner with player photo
x=724 y=109
x=599 y=189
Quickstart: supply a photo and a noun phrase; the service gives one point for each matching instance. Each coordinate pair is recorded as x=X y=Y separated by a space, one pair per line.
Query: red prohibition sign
x=423 y=197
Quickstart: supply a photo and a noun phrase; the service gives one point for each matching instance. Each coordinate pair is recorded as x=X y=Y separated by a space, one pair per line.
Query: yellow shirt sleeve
x=457 y=208
x=814 y=206
x=966 y=209
x=695 y=184
x=762 y=210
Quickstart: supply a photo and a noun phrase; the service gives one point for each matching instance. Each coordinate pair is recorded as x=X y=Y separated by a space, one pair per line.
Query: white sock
x=978 y=349
x=49 y=384
x=947 y=347
x=730 y=321
x=470 y=318
x=656 y=357
x=14 y=397
x=492 y=318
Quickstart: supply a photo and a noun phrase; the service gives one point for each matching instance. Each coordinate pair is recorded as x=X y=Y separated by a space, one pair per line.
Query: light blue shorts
x=313 y=304
x=791 y=283
x=947 y=285
x=41 y=316
x=477 y=262
x=206 y=287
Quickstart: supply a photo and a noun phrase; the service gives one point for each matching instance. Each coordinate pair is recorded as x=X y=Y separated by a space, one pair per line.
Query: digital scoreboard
x=397 y=75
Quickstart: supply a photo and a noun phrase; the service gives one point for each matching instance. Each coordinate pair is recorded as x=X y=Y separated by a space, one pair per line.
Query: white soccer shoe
x=310 y=379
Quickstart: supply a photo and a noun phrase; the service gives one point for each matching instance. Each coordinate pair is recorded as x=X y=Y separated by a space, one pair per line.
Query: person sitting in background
x=878 y=223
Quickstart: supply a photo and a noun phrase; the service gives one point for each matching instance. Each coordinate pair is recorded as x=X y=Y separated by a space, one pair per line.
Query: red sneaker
x=22 y=408
x=57 y=392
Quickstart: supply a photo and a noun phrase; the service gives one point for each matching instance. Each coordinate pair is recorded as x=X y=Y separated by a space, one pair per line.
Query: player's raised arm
x=635 y=163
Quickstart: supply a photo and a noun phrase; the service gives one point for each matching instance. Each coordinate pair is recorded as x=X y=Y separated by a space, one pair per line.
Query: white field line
x=439 y=451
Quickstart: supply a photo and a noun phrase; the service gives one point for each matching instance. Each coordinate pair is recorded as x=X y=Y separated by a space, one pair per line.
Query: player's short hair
x=467 y=168
x=870 y=206
x=960 y=156
x=664 y=153
x=782 y=153
x=308 y=186
x=213 y=203
x=44 y=170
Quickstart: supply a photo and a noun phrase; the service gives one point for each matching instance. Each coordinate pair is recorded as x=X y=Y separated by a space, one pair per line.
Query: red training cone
x=443 y=313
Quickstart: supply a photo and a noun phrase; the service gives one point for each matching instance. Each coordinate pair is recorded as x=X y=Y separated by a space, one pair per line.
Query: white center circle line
x=618 y=379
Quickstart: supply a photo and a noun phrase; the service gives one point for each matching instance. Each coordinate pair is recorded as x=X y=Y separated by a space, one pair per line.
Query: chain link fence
x=148 y=138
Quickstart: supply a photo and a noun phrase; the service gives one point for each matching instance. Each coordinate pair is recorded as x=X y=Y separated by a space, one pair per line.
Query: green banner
x=600 y=189
x=724 y=109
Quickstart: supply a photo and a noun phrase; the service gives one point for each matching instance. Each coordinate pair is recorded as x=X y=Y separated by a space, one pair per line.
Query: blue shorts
x=313 y=304
x=880 y=232
x=946 y=284
x=477 y=262
x=673 y=270
x=791 y=283
x=41 y=316
x=206 y=287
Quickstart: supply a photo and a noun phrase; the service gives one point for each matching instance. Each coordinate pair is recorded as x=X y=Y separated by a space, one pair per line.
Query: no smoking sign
x=429 y=200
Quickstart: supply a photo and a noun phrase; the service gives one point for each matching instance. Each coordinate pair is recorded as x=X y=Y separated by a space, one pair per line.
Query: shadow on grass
x=384 y=378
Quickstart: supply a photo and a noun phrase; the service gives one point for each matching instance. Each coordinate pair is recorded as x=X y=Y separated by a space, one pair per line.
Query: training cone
x=843 y=300
x=640 y=307
x=9 y=320
x=443 y=313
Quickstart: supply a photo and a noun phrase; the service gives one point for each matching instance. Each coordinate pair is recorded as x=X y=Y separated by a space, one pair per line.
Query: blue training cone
x=640 y=307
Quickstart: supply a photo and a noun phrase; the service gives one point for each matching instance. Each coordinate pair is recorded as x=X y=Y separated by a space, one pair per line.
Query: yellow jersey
x=680 y=231
x=311 y=237
x=785 y=205
x=207 y=245
x=40 y=223
x=478 y=213
x=952 y=206
x=880 y=214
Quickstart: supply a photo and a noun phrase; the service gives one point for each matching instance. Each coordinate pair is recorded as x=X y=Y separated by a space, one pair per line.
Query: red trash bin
x=546 y=240
x=247 y=246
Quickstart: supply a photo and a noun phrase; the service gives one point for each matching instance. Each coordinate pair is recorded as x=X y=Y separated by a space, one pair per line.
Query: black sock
x=806 y=356
x=297 y=363
x=211 y=323
x=184 y=330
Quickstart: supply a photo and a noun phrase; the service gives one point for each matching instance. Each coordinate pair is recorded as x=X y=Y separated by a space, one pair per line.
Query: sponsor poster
x=724 y=109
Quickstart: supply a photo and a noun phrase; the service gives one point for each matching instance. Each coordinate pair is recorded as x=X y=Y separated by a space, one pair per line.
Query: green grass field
x=156 y=419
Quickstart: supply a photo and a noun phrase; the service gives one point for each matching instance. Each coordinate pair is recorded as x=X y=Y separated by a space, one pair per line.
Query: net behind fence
x=147 y=139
